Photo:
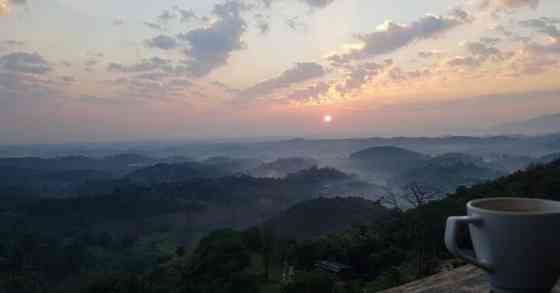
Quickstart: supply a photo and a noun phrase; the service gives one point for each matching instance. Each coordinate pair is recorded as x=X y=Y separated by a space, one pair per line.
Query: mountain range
x=544 y=124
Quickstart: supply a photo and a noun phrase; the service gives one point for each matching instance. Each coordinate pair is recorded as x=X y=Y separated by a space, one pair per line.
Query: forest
x=153 y=237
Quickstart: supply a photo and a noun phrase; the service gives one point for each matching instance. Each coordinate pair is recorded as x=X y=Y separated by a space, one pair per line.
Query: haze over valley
x=264 y=146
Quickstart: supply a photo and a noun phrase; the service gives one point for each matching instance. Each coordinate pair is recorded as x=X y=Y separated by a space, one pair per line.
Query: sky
x=105 y=70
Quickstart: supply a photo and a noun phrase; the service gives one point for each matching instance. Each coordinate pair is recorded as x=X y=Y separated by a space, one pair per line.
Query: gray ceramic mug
x=515 y=240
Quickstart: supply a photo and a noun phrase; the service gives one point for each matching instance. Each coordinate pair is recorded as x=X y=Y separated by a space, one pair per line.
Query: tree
x=416 y=196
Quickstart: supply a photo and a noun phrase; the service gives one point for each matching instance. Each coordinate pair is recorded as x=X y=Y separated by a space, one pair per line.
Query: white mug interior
x=513 y=205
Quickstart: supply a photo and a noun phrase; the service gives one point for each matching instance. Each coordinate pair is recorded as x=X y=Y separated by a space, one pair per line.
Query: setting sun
x=327 y=118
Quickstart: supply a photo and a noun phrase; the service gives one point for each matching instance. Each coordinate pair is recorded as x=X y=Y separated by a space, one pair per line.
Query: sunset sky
x=106 y=70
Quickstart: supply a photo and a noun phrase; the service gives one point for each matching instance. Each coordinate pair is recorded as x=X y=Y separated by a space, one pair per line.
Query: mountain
x=163 y=172
x=232 y=165
x=117 y=165
x=282 y=167
x=141 y=237
x=548 y=158
x=15 y=181
x=313 y=218
x=387 y=159
x=544 y=124
x=446 y=172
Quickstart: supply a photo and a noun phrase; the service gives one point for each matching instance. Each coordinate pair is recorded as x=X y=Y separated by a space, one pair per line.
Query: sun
x=327 y=118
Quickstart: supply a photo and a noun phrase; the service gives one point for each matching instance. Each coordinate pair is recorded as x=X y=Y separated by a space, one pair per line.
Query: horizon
x=79 y=72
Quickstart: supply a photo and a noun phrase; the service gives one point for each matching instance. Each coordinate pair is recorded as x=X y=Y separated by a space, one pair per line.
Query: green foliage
x=310 y=282
x=76 y=257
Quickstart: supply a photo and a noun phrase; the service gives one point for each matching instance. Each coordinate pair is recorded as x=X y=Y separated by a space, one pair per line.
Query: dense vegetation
x=135 y=234
x=52 y=242
x=402 y=246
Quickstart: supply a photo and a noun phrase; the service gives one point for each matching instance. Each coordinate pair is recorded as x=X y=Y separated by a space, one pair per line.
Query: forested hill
x=317 y=217
x=401 y=247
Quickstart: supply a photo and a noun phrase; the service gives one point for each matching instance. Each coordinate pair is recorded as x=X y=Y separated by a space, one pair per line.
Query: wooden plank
x=466 y=279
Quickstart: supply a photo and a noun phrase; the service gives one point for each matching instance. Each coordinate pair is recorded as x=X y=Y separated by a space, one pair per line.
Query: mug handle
x=451 y=240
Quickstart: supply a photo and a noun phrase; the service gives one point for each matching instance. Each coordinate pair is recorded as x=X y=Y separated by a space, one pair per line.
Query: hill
x=163 y=172
x=117 y=165
x=544 y=124
x=387 y=160
x=397 y=248
x=548 y=158
x=321 y=216
x=282 y=167
x=212 y=167
x=447 y=172
x=16 y=181
x=232 y=165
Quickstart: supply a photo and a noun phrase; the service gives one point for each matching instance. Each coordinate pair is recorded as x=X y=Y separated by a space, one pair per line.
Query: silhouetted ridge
x=317 y=217
x=387 y=159
x=282 y=167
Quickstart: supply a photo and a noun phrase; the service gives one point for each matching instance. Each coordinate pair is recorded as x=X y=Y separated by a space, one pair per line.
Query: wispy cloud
x=163 y=42
x=392 y=36
x=211 y=46
x=318 y=3
x=299 y=73
x=24 y=62
x=500 y=5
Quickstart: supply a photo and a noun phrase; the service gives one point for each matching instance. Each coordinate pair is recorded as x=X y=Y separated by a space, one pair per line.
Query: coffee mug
x=515 y=240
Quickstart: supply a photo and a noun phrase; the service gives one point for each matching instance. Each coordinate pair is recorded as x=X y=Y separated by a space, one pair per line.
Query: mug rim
x=471 y=206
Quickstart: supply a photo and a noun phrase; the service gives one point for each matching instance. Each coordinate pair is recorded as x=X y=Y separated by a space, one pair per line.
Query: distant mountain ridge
x=282 y=167
x=446 y=172
x=387 y=159
x=545 y=124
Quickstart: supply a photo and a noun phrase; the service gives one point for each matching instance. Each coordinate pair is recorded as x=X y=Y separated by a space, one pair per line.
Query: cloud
x=162 y=42
x=548 y=26
x=227 y=89
x=98 y=100
x=154 y=76
x=10 y=45
x=552 y=46
x=430 y=54
x=182 y=83
x=91 y=62
x=299 y=73
x=462 y=61
x=166 y=16
x=211 y=46
x=263 y=27
x=490 y=41
x=118 y=22
x=17 y=84
x=507 y=5
x=360 y=74
x=262 y=23
x=153 y=26
x=68 y=79
x=313 y=4
x=25 y=63
x=295 y=23
x=545 y=25
x=186 y=15
x=482 y=51
x=392 y=36
x=310 y=93
x=318 y=3
x=144 y=65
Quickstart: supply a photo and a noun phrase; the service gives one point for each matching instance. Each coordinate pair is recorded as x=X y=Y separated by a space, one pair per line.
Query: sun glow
x=327 y=118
